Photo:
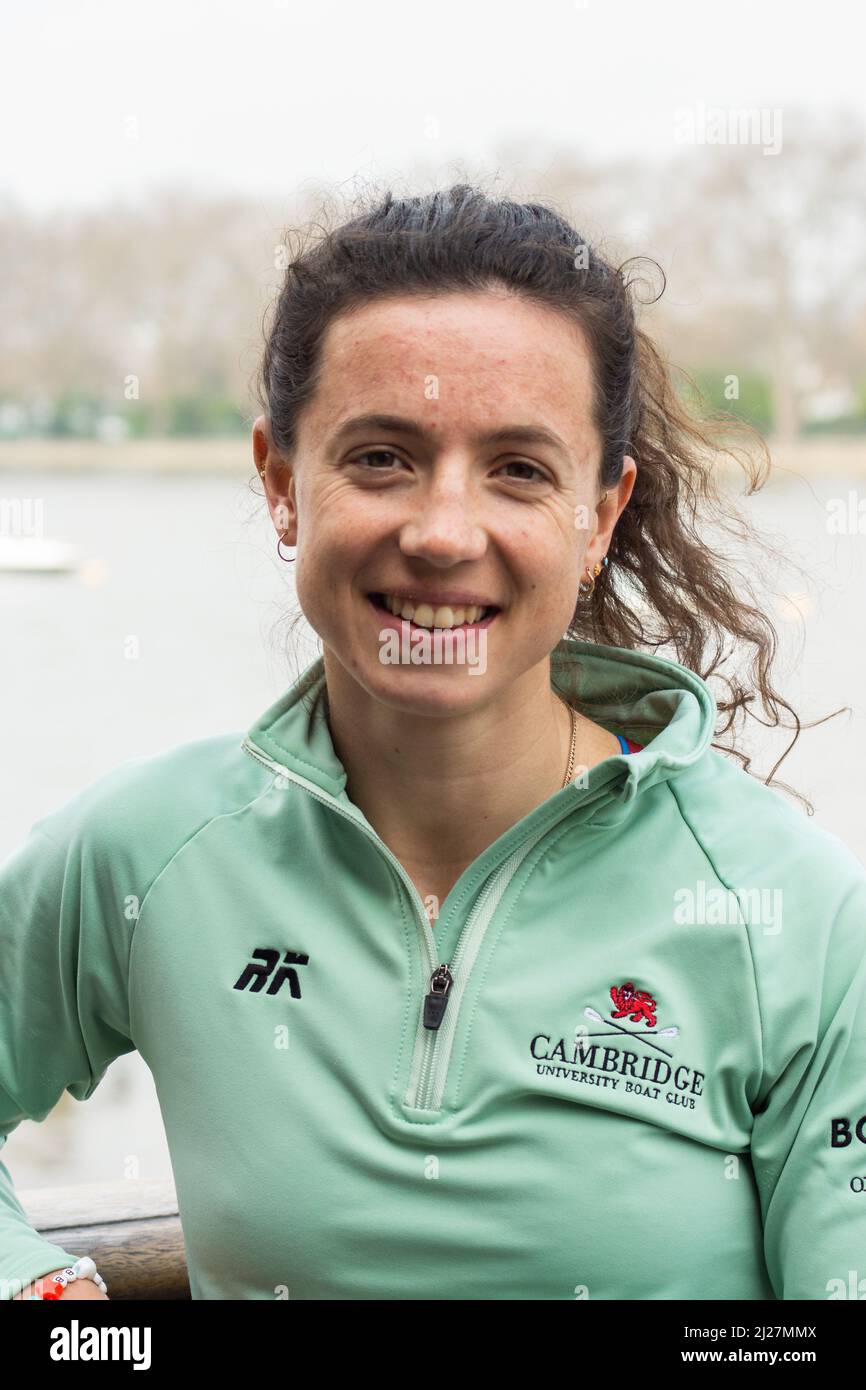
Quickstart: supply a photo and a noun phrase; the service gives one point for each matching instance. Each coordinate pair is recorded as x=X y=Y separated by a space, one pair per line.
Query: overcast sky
x=106 y=98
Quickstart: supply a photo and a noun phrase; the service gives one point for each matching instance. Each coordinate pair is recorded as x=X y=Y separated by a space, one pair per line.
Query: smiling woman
x=521 y=1048
x=398 y=347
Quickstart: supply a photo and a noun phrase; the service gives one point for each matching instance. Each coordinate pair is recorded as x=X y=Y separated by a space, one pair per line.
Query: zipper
x=434 y=1003
x=447 y=982
x=433 y=1045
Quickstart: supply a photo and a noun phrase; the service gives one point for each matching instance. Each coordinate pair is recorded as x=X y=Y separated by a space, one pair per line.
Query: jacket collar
x=626 y=691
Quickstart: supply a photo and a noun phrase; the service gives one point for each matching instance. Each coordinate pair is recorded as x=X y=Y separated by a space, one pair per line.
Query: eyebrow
x=399 y=424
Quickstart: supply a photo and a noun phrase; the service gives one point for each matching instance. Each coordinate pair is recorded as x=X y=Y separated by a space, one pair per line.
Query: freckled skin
x=447 y=510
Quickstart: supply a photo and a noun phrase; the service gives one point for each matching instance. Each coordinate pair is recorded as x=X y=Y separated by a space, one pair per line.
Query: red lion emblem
x=636 y=1003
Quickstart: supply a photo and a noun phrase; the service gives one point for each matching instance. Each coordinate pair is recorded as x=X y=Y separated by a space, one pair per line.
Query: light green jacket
x=648 y=1082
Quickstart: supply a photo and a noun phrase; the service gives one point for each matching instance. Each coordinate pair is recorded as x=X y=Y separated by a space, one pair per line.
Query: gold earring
x=593 y=575
x=288 y=558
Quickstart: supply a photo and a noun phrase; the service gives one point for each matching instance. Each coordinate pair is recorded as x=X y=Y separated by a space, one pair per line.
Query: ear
x=278 y=480
x=609 y=511
x=626 y=482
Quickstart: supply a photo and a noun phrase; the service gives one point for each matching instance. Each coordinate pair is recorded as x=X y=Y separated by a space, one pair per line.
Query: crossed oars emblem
x=660 y=1032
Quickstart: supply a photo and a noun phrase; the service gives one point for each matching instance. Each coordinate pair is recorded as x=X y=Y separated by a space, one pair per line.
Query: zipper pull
x=434 y=1003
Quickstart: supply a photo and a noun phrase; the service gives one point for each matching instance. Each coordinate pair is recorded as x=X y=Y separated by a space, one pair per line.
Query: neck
x=439 y=788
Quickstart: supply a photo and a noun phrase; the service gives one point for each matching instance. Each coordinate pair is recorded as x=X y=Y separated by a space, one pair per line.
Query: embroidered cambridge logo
x=637 y=1005
x=592 y=1064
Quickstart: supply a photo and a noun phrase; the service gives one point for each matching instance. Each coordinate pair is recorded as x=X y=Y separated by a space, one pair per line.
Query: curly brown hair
x=664 y=585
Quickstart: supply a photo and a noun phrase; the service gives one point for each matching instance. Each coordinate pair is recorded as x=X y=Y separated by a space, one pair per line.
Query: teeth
x=426 y=616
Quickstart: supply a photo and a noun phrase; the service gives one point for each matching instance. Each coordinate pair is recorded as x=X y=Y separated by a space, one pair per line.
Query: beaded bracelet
x=82 y=1269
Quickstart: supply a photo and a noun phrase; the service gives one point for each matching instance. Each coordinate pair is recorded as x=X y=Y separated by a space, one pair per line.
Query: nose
x=444 y=526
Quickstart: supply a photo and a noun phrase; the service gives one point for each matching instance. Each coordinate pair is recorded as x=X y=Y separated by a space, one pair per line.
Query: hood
x=650 y=699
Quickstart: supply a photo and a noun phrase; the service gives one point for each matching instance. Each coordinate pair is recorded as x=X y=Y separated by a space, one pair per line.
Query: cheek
x=546 y=560
x=330 y=558
x=550 y=581
x=316 y=581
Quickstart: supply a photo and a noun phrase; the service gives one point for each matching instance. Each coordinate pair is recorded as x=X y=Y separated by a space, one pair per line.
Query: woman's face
x=483 y=484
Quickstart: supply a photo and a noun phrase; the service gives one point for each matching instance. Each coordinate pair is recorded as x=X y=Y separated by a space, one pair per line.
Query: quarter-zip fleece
x=647 y=1081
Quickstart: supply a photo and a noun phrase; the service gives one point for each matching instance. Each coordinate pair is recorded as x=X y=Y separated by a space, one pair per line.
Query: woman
x=472 y=970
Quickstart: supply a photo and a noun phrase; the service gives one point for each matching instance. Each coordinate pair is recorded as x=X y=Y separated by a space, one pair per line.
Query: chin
x=423 y=688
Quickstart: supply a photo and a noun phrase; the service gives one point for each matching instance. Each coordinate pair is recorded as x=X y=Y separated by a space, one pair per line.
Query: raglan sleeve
x=808 y=1144
x=64 y=1015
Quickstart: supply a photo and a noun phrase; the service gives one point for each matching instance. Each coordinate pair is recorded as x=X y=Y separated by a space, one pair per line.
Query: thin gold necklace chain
x=570 y=770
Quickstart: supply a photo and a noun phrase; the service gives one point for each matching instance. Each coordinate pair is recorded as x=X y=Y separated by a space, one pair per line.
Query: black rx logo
x=262 y=965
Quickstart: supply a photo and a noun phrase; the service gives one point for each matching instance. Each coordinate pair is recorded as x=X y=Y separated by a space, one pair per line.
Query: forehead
x=457 y=356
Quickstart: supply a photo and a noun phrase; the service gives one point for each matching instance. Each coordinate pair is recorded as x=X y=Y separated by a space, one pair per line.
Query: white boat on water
x=29 y=554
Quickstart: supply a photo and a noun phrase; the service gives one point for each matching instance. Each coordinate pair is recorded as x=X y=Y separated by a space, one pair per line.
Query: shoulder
x=752 y=827
x=785 y=864
x=132 y=819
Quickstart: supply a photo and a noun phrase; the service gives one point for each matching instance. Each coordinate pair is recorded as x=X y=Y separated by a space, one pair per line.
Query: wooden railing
x=130 y=1228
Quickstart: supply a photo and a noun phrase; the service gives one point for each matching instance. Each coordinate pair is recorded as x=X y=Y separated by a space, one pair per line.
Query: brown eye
x=376 y=453
x=523 y=463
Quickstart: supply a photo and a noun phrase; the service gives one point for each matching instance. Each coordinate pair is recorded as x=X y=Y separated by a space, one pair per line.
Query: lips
x=428 y=611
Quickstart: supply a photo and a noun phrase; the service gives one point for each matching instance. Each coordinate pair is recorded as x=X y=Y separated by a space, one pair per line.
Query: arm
x=64 y=958
x=807 y=1155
